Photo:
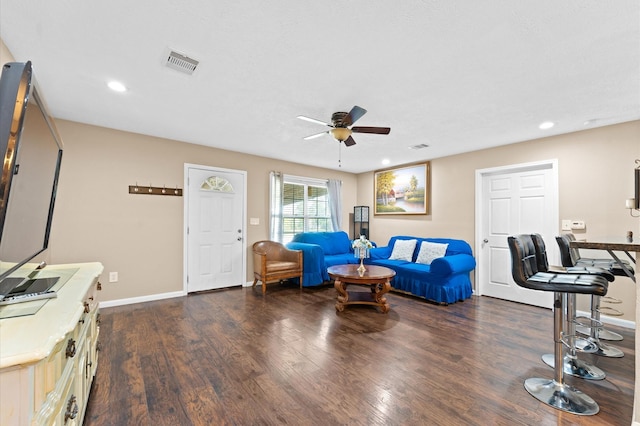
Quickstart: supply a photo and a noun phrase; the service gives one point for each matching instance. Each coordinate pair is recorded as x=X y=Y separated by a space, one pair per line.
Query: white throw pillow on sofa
x=403 y=250
x=430 y=251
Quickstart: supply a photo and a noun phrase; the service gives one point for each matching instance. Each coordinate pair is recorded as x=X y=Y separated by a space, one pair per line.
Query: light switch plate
x=254 y=221
x=566 y=224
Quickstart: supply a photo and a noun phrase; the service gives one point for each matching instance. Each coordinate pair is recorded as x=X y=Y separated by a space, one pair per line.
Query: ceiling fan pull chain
x=339 y=154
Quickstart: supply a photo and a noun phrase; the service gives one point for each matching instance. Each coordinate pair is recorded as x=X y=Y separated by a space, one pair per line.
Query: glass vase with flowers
x=361 y=248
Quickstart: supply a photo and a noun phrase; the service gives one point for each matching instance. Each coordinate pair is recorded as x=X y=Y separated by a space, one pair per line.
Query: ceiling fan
x=340 y=126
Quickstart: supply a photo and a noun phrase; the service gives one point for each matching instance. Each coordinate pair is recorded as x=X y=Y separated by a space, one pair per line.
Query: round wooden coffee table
x=378 y=277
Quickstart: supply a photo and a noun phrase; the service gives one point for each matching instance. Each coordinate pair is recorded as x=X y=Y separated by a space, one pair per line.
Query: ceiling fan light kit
x=340 y=126
x=340 y=133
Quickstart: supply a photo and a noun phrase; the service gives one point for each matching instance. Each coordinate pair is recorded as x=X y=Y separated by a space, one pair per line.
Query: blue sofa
x=321 y=250
x=446 y=280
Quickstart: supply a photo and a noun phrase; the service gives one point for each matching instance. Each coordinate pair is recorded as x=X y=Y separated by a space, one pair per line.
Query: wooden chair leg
x=255 y=281
x=264 y=287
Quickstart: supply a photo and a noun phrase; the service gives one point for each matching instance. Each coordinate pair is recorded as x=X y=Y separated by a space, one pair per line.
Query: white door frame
x=185 y=258
x=552 y=255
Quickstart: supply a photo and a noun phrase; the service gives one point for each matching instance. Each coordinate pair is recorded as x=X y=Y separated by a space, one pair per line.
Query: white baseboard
x=151 y=297
x=610 y=320
x=142 y=299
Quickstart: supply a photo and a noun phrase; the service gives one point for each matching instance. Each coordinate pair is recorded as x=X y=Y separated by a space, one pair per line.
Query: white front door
x=214 y=232
x=519 y=199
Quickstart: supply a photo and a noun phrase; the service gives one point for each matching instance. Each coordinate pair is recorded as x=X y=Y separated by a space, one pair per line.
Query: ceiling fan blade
x=313 y=120
x=376 y=130
x=349 y=141
x=317 y=135
x=354 y=115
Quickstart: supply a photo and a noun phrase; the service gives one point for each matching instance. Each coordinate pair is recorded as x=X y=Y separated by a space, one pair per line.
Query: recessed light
x=385 y=161
x=546 y=125
x=116 y=86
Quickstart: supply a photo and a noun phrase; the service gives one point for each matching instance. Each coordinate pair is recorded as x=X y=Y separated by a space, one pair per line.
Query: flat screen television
x=32 y=152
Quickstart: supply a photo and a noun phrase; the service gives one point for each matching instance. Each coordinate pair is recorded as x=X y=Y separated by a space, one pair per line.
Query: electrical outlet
x=113 y=277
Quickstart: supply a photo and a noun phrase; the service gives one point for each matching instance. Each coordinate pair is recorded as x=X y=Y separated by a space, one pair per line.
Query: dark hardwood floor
x=236 y=357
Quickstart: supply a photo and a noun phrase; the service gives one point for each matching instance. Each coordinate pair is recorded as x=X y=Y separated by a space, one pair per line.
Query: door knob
x=239 y=238
x=485 y=241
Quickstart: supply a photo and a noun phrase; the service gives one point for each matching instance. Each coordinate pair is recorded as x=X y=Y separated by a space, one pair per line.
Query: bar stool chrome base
x=594 y=337
x=561 y=396
x=576 y=367
x=607 y=350
x=603 y=334
x=585 y=345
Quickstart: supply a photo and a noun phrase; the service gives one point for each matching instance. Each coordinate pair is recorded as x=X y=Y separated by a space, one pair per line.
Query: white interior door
x=214 y=232
x=519 y=199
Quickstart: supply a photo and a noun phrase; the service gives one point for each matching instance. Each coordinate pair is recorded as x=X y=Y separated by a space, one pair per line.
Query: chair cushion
x=568 y=283
x=277 y=266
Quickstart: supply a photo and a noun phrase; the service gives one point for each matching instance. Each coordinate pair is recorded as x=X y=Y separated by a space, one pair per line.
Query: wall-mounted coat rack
x=155 y=190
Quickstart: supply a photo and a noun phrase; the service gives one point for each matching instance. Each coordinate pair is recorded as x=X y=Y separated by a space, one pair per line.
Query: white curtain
x=276 y=182
x=335 y=203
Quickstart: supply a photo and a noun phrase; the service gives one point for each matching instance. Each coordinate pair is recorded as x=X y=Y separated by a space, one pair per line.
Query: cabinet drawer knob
x=71 y=348
x=72 y=409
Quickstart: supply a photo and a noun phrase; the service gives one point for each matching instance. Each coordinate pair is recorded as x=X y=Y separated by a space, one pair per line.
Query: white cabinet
x=48 y=360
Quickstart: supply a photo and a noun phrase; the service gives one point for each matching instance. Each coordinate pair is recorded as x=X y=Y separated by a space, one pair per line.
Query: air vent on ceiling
x=181 y=63
x=419 y=146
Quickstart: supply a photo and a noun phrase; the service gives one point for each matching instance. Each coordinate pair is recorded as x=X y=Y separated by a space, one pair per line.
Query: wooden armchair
x=274 y=262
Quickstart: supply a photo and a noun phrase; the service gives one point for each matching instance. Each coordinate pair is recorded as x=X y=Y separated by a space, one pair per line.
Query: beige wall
x=141 y=236
x=595 y=178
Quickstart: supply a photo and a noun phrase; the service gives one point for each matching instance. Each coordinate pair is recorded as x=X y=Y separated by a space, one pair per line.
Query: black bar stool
x=554 y=392
x=570 y=257
x=571 y=364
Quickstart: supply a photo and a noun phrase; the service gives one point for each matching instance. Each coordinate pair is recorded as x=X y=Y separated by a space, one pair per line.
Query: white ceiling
x=456 y=75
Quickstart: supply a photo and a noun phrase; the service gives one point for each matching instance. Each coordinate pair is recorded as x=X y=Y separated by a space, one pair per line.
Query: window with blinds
x=305 y=208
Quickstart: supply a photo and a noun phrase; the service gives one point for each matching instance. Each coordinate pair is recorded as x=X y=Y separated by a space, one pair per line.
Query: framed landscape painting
x=402 y=190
